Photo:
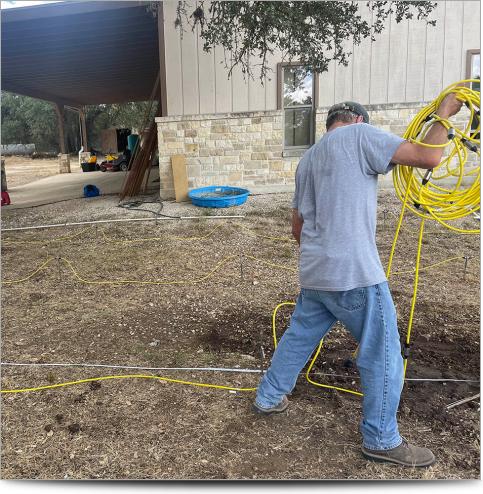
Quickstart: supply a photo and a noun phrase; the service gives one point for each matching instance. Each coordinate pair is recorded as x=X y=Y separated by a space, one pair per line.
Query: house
x=231 y=130
x=242 y=132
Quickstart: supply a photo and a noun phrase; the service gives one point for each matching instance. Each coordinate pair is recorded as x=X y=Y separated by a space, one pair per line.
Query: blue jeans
x=370 y=316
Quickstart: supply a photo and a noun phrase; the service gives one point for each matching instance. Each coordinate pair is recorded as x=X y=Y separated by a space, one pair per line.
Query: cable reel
x=451 y=191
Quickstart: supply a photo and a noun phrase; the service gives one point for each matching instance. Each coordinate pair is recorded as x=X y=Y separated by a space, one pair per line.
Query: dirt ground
x=21 y=170
x=152 y=429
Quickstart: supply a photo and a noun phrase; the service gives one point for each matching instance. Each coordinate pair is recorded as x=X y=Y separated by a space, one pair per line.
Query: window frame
x=469 y=75
x=469 y=55
x=315 y=103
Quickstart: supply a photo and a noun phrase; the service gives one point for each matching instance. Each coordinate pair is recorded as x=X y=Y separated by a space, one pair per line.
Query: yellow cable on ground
x=429 y=266
x=198 y=280
x=430 y=201
x=327 y=386
x=274 y=333
x=155 y=282
x=271 y=264
x=127 y=376
x=312 y=362
x=140 y=282
x=150 y=239
x=268 y=237
x=146 y=239
x=9 y=241
x=31 y=275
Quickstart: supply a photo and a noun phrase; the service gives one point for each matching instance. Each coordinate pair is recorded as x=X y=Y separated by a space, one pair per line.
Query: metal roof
x=80 y=53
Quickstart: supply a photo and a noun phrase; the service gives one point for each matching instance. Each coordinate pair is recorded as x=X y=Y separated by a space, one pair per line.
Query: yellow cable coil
x=449 y=193
x=453 y=190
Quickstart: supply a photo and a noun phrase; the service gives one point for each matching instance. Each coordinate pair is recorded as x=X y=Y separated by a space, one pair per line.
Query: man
x=341 y=276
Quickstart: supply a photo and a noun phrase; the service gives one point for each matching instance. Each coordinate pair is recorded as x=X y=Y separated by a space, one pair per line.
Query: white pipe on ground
x=59 y=225
x=214 y=369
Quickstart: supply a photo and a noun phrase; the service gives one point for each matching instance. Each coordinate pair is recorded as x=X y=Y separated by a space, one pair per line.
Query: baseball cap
x=350 y=106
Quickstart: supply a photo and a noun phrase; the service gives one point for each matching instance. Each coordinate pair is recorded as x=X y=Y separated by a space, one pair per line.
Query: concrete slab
x=71 y=186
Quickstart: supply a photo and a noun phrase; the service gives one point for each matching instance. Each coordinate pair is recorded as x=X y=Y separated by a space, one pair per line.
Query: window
x=296 y=99
x=473 y=72
x=473 y=67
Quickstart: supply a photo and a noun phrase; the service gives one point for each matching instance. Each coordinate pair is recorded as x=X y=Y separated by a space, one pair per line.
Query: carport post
x=64 y=161
x=59 y=109
x=82 y=118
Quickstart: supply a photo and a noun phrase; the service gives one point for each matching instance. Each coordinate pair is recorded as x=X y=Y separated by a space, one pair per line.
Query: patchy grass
x=149 y=429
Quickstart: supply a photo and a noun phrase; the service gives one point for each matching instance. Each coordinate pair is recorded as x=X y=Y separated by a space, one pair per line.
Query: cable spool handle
x=424 y=181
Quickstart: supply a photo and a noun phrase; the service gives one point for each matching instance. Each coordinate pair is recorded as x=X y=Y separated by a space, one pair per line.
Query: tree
x=14 y=125
x=310 y=32
x=27 y=120
x=120 y=115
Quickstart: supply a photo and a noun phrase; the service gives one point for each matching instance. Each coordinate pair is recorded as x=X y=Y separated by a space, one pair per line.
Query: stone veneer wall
x=391 y=117
x=240 y=149
x=245 y=149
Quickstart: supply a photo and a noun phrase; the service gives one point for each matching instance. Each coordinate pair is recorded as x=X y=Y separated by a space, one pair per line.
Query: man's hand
x=412 y=154
x=297 y=223
x=449 y=106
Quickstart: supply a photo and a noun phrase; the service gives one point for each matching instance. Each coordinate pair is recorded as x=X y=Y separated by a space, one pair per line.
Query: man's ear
x=359 y=119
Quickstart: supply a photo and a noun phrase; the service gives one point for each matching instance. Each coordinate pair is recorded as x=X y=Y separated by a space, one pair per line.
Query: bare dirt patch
x=149 y=429
x=21 y=170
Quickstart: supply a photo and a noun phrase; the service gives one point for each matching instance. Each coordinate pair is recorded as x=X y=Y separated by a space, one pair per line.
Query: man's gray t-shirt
x=336 y=196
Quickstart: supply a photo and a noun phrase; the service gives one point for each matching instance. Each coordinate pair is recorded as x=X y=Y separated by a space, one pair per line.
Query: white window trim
x=296 y=150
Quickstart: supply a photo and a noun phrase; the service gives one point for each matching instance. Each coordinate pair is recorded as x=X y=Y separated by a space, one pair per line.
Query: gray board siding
x=409 y=62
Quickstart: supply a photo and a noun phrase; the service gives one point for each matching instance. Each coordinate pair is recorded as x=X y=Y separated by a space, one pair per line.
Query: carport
x=82 y=53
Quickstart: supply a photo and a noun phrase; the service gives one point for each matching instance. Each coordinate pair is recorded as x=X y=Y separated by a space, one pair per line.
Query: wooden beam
x=163 y=80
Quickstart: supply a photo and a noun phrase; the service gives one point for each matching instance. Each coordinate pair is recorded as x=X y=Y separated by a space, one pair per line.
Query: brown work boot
x=405 y=454
x=281 y=407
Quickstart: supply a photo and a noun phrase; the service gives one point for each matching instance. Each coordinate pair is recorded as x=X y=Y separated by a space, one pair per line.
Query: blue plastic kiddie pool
x=218 y=196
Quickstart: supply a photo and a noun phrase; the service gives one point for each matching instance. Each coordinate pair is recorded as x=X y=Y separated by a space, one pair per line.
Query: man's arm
x=297 y=223
x=413 y=154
